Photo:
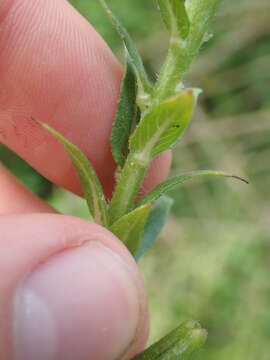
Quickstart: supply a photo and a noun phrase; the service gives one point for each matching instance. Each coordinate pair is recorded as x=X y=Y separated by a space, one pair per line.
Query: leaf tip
x=198 y=335
x=35 y=120
x=192 y=324
x=148 y=205
x=189 y=94
x=240 y=178
x=39 y=122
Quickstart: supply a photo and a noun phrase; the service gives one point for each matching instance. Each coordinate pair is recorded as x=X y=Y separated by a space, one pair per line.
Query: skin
x=55 y=67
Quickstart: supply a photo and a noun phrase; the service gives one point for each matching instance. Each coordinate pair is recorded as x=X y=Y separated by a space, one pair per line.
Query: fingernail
x=80 y=304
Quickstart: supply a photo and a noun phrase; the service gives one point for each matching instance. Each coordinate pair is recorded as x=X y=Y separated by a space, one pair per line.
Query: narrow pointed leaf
x=175 y=17
x=125 y=118
x=163 y=124
x=178 y=180
x=136 y=61
x=89 y=181
x=129 y=228
x=180 y=344
x=154 y=224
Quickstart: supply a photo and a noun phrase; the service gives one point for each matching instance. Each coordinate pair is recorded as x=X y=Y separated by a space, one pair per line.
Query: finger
x=16 y=198
x=55 y=67
x=74 y=289
x=157 y=172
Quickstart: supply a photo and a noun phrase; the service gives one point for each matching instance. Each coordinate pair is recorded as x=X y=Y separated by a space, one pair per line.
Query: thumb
x=72 y=291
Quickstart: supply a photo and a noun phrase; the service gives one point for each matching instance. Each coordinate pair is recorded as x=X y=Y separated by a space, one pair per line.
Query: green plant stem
x=181 y=343
x=180 y=55
x=127 y=188
x=182 y=52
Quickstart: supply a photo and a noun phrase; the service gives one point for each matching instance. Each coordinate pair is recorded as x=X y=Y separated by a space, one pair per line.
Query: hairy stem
x=183 y=51
x=127 y=188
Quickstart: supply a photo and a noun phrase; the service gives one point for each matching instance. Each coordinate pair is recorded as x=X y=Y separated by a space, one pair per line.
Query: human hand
x=68 y=289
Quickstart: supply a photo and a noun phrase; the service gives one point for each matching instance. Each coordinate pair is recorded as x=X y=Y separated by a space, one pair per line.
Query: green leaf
x=175 y=17
x=163 y=124
x=144 y=85
x=154 y=224
x=89 y=181
x=129 y=228
x=125 y=118
x=180 y=344
x=178 y=180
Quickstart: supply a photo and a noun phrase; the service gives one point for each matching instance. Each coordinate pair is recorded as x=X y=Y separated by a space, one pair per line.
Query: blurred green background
x=212 y=261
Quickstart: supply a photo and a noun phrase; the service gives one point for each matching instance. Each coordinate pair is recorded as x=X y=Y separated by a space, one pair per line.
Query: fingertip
x=16 y=198
x=75 y=289
x=71 y=82
x=80 y=300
